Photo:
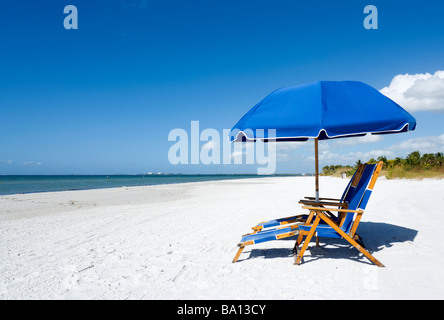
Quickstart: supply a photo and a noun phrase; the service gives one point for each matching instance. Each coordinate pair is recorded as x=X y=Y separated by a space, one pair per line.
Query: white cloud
x=241 y=150
x=285 y=150
x=365 y=156
x=5 y=161
x=327 y=157
x=210 y=145
x=418 y=92
x=32 y=163
x=368 y=138
x=431 y=144
x=290 y=145
x=237 y=155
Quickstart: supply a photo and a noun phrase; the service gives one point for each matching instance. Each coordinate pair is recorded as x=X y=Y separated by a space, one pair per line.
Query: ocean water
x=46 y=183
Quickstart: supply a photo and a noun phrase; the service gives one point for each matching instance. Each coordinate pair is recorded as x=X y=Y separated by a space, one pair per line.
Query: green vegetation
x=336 y=170
x=414 y=166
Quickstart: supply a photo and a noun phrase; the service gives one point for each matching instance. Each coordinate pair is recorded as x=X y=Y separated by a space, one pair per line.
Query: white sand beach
x=178 y=241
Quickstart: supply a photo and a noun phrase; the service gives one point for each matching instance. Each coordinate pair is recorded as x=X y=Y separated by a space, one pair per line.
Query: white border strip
x=276 y=139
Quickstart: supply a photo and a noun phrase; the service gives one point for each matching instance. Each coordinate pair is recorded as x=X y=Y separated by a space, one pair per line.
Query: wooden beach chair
x=343 y=227
x=345 y=199
x=346 y=227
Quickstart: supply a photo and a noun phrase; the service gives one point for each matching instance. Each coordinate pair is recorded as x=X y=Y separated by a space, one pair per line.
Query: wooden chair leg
x=359 y=240
x=301 y=236
x=307 y=240
x=299 y=240
x=363 y=251
x=351 y=241
x=238 y=254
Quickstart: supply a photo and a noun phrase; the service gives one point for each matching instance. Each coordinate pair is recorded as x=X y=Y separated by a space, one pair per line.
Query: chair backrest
x=353 y=183
x=362 y=193
x=349 y=191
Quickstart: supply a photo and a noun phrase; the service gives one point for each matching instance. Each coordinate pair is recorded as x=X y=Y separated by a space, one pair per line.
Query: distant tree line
x=413 y=160
x=327 y=170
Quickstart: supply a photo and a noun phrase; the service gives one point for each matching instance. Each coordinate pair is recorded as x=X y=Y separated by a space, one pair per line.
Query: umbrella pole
x=316 y=170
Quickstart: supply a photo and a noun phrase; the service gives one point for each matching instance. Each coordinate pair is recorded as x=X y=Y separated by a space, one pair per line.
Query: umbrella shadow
x=375 y=235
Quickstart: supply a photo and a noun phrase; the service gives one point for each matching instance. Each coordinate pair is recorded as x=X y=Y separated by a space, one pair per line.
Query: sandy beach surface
x=178 y=241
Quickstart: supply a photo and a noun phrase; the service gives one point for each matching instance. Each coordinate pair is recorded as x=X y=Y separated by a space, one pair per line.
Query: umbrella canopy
x=322 y=110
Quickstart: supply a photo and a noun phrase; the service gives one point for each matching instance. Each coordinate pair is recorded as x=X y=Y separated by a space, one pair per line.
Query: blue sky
x=102 y=99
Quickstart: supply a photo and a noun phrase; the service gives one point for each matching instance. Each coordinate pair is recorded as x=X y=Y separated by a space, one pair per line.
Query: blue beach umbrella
x=322 y=110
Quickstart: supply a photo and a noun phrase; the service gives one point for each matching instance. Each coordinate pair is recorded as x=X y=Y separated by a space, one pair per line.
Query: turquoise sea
x=44 y=183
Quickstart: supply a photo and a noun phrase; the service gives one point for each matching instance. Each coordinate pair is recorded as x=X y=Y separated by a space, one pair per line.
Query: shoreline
x=382 y=176
x=54 y=183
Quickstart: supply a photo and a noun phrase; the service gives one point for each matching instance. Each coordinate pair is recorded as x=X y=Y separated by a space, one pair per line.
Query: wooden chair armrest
x=328 y=199
x=360 y=211
x=323 y=203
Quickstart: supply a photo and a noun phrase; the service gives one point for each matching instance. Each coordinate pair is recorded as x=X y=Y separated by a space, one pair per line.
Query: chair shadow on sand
x=375 y=235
